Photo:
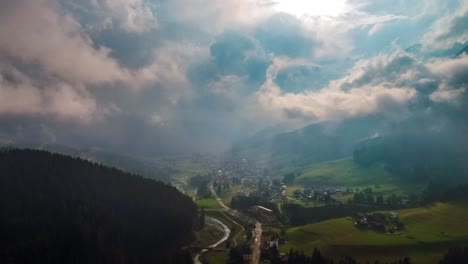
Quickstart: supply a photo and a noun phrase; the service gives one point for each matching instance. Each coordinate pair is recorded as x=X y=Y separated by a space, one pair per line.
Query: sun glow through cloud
x=312 y=7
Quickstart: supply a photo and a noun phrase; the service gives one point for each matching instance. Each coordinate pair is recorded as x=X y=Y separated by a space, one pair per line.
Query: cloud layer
x=171 y=76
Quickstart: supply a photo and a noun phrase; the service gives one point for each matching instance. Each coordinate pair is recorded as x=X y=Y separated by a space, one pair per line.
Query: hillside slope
x=430 y=231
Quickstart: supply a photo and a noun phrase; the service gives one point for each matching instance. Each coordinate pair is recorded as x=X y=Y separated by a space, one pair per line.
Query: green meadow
x=208 y=203
x=216 y=256
x=429 y=233
x=346 y=174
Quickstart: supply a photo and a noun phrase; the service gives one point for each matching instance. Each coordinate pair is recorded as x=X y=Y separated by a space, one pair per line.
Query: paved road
x=212 y=221
x=257 y=243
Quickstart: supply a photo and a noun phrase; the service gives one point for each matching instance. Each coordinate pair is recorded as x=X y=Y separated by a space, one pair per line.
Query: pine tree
x=291 y=256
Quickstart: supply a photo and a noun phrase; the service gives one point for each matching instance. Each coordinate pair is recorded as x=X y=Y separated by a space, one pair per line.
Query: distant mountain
x=59 y=209
x=259 y=146
x=314 y=143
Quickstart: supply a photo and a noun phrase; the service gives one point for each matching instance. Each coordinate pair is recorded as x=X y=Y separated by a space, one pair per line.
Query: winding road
x=227 y=232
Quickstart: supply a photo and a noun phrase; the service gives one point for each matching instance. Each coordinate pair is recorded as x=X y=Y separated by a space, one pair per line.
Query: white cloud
x=20 y=95
x=228 y=86
x=135 y=16
x=451 y=69
x=59 y=72
x=335 y=35
x=371 y=86
x=375 y=28
x=157 y=119
x=168 y=69
x=131 y=15
x=447 y=95
x=332 y=104
x=215 y=16
x=67 y=66
x=453 y=76
x=385 y=83
x=36 y=33
x=449 y=29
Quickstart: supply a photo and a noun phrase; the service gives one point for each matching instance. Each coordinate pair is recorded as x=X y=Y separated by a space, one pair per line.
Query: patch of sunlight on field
x=208 y=203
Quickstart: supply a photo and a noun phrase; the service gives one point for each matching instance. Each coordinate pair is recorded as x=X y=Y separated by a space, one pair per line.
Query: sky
x=155 y=77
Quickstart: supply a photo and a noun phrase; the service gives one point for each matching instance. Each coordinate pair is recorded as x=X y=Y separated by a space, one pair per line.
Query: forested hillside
x=58 y=209
x=417 y=156
x=311 y=144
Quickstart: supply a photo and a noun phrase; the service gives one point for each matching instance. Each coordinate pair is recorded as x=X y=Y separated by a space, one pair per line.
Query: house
x=274 y=241
x=361 y=220
x=393 y=215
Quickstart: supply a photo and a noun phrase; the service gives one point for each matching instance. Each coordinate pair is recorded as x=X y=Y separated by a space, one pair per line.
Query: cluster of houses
x=241 y=168
x=382 y=222
x=240 y=171
x=322 y=194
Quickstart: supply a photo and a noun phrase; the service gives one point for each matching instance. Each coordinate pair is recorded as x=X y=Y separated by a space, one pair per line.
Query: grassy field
x=429 y=233
x=346 y=174
x=208 y=203
x=216 y=256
